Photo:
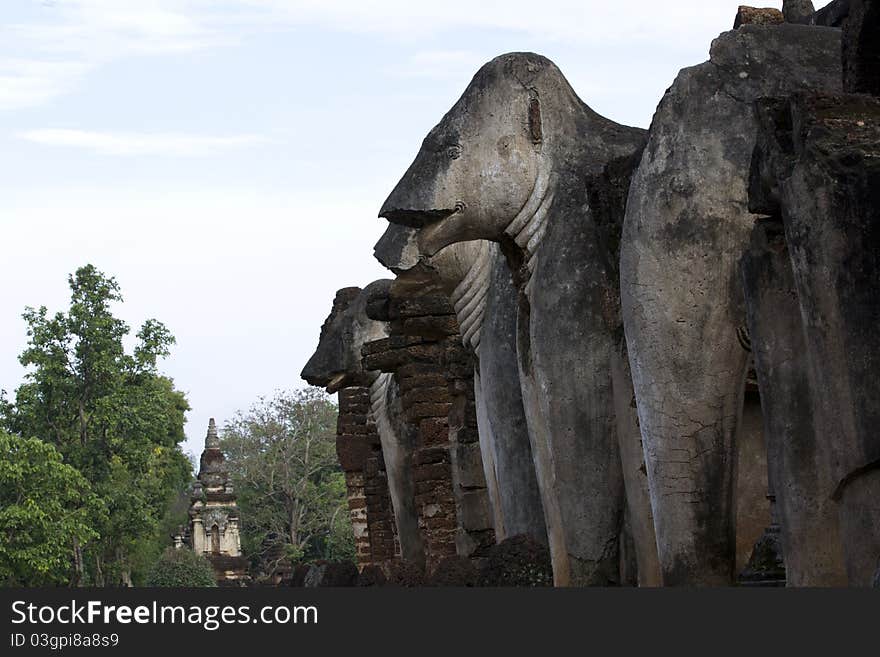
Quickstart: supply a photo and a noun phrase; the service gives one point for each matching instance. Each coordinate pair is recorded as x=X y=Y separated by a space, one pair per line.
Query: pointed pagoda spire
x=211 y=440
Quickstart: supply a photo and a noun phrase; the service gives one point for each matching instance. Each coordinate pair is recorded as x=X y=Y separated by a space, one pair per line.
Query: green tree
x=112 y=416
x=183 y=567
x=46 y=507
x=282 y=460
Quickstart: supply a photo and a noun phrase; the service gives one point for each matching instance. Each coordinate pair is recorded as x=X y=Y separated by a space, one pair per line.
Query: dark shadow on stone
x=834 y=14
x=766 y=566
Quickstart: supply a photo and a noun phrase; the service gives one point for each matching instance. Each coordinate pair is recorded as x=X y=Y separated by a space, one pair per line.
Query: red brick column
x=435 y=376
x=369 y=501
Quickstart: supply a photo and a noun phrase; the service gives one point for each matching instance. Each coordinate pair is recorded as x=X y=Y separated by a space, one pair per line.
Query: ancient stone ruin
x=815 y=175
x=213 y=529
x=433 y=372
x=653 y=352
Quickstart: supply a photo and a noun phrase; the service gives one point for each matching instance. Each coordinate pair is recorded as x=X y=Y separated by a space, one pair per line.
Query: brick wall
x=435 y=376
x=369 y=501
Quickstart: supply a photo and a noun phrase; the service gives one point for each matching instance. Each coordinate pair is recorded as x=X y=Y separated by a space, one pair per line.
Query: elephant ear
x=536 y=129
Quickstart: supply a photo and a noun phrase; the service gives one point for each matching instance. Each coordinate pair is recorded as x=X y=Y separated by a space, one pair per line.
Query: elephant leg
x=752 y=507
x=487 y=452
x=518 y=490
x=635 y=479
x=540 y=439
x=578 y=461
x=803 y=483
x=397 y=448
x=860 y=527
x=565 y=347
x=688 y=369
x=570 y=408
x=832 y=227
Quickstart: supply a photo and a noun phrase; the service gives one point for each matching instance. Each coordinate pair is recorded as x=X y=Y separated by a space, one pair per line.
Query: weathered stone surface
x=476 y=279
x=757 y=16
x=433 y=372
x=369 y=404
x=765 y=566
x=607 y=198
x=420 y=307
x=405 y=574
x=798 y=11
x=336 y=362
x=752 y=506
x=687 y=225
x=834 y=14
x=520 y=120
x=398 y=445
x=803 y=485
x=454 y=571
x=861 y=48
x=352 y=452
x=517 y=561
x=359 y=449
x=829 y=202
x=214 y=523
x=500 y=410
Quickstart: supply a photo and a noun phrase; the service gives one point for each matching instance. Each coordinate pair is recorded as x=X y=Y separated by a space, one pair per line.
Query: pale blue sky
x=225 y=160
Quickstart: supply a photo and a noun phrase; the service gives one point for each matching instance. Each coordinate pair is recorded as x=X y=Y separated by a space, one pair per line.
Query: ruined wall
x=435 y=376
x=369 y=501
x=816 y=171
x=765 y=126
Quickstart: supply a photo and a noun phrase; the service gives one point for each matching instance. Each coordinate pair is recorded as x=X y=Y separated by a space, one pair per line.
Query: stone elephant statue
x=811 y=281
x=337 y=364
x=687 y=226
x=478 y=283
x=508 y=163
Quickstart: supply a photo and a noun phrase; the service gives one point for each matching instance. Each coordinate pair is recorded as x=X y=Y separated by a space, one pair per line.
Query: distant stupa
x=213 y=514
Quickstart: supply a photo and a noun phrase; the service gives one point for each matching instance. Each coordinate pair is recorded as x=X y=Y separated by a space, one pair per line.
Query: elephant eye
x=453 y=151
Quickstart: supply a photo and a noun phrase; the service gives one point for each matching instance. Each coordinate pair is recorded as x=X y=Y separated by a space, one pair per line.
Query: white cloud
x=26 y=82
x=48 y=57
x=129 y=143
x=582 y=21
x=85 y=34
x=440 y=64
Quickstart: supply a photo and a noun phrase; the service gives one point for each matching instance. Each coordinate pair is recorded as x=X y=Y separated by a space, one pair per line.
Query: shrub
x=181 y=568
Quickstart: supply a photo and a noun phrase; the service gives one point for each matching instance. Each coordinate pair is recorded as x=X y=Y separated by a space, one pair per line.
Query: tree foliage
x=282 y=460
x=45 y=507
x=183 y=567
x=112 y=416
